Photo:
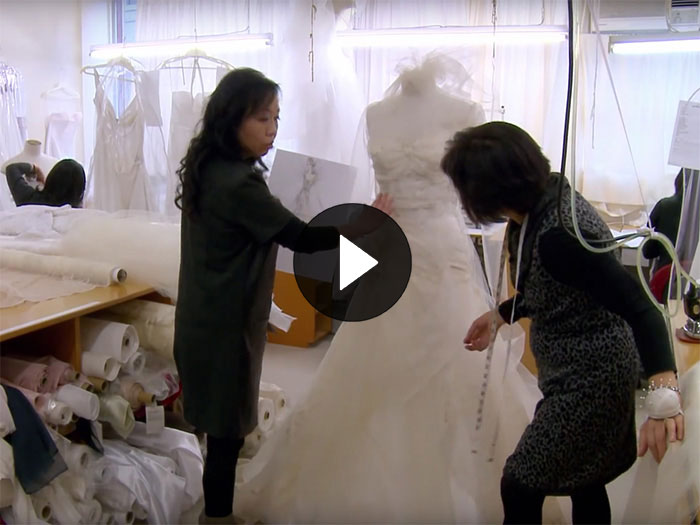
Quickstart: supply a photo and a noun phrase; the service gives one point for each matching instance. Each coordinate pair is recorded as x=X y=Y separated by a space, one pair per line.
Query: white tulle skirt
x=668 y=492
x=387 y=432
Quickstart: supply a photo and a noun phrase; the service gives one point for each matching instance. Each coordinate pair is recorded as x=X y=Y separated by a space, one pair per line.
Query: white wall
x=42 y=39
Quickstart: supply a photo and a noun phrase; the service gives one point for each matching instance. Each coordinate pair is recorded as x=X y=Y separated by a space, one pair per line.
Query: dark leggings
x=522 y=504
x=220 y=475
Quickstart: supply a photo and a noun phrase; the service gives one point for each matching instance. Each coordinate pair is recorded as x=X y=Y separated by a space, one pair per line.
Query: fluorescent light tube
x=450 y=36
x=656 y=43
x=180 y=46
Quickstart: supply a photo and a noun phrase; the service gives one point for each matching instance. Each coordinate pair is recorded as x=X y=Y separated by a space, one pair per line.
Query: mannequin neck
x=32 y=148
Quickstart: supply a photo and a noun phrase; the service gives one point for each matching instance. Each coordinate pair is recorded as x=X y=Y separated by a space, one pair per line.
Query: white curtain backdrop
x=525 y=85
x=649 y=88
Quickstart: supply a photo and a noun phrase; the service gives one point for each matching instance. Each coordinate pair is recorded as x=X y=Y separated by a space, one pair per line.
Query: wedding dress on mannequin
x=387 y=432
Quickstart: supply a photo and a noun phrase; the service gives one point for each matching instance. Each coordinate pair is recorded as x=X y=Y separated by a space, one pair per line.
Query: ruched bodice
x=410 y=172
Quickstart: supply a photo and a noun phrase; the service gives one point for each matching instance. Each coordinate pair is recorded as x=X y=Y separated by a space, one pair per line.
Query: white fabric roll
x=100 y=365
x=266 y=414
x=117 y=340
x=22 y=506
x=123 y=518
x=135 y=364
x=154 y=323
x=63 y=508
x=91 y=511
x=42 y=506
x=77 y=457
x=276 y=394
x=240 y=469
x=77 y=486
x=252 y=443
x=51 y=411
x=140 y=513
x=56 y=412
x=82 y=402
x=98 y=471
x=7 y=423
x=66 y=267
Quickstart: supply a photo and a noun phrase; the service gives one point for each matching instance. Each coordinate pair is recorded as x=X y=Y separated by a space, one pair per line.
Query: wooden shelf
x=309 y=326
x=53 y=326
x=687 y=354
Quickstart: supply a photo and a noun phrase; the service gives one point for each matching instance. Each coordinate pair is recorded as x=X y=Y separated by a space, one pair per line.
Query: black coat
x=227 y=264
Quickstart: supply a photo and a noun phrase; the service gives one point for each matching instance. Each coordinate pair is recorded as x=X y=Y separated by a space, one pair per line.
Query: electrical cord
x=646 y=234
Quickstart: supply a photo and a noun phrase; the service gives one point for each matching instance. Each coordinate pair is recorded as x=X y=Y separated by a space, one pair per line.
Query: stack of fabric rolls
x=73 y=452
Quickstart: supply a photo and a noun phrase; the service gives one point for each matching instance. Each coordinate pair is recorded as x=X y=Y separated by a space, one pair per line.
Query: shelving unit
x=53 y=326
x=309 y=326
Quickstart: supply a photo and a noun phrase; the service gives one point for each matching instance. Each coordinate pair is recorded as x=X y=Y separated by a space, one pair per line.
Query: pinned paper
x=685 y=144
x=155 y=419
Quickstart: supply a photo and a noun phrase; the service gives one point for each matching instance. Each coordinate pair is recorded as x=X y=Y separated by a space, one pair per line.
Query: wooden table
x=53 y=326
x=687 y=354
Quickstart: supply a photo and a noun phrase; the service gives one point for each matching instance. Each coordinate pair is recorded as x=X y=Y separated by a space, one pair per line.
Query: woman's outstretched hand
x=384 y=203
x=368 y=221
x=656 y=433
x=479 y=332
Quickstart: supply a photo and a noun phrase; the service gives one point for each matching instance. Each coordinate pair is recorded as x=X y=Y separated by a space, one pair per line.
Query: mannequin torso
x=33 y=155
x=419 y=112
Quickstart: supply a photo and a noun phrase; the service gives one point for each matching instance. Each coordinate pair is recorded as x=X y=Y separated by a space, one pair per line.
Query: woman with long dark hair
x=231 y=226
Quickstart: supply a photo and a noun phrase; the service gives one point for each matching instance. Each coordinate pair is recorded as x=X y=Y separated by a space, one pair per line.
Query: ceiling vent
x=683 y=15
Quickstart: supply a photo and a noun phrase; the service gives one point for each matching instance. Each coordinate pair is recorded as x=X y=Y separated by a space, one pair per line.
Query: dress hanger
x=195 y=55
x=121 y=61
x=61 y=92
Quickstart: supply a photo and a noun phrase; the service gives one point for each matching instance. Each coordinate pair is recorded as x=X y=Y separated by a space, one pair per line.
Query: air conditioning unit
x=683 y=15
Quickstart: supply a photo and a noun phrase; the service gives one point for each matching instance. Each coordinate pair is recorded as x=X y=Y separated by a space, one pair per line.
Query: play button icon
x=354 y=263
x=365 y=274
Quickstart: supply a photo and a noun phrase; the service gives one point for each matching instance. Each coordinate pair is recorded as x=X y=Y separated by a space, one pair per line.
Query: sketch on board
x=308 y=185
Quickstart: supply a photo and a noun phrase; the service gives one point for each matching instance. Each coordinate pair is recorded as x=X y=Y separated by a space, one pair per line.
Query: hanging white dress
x=118 y=178
x=61 y=129
x=187 y=112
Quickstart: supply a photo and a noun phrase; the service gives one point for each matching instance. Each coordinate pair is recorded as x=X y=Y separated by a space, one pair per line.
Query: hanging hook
x=311 y=36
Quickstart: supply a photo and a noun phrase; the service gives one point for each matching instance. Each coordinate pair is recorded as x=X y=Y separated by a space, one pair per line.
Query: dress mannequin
x=386 y=432
x=33 y=155
x=417 y=109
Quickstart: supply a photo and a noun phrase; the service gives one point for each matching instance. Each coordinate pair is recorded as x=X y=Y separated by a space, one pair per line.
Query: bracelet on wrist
x=662 y=401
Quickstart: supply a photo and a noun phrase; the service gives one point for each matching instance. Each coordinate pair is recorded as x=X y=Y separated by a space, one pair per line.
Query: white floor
x=292 y=368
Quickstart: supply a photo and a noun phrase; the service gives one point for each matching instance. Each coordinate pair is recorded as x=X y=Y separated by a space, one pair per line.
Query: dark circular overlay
x=373 y=293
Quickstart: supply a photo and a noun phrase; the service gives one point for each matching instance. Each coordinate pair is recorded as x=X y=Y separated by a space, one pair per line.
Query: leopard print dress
x=583 y=432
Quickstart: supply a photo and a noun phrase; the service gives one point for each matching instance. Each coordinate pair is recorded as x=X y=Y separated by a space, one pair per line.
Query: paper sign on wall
x=685 y=145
